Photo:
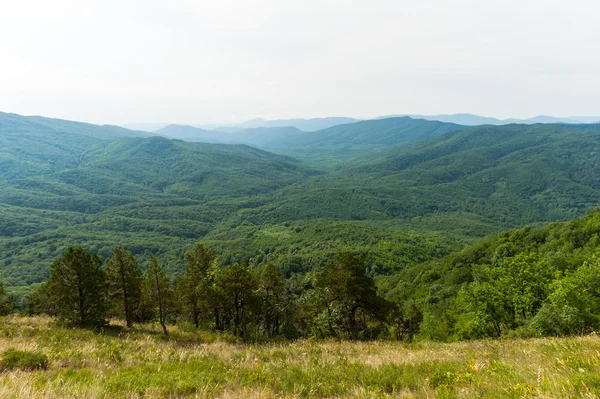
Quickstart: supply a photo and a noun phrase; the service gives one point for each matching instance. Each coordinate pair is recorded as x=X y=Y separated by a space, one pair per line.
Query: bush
x=23 y=360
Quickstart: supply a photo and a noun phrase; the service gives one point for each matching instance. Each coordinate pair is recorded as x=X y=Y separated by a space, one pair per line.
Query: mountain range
x=399 y=189
x=315 y=124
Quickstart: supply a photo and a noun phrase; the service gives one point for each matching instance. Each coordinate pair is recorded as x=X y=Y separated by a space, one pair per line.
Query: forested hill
x=360 y=137
x=32 y=145
x=404 y=192
x=522 y=282
x=262 y=137
x=507 y=175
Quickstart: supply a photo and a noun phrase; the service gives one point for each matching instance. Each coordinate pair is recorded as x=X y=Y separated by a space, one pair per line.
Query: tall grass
x=121 y=363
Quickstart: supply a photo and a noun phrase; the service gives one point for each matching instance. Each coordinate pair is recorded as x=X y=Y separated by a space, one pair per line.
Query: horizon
x=213 y=125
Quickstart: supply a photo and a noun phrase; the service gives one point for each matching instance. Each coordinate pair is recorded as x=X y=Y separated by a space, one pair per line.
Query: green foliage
x=348 y=292
x=7 y=305
x=573 y=307
x=523 y=282
x=12 y=359
x=158 y=300
x=192 y=286
x=76 y=289
x=239 y=286
x=124 y=278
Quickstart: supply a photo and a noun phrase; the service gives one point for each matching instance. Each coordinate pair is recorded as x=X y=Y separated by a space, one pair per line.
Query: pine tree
x=7 y=305
x=271 y=284
x=77 y=288
x=239 y=285
x=346 y=286
x=157 y=293
x=193 y=284
x=124 y=283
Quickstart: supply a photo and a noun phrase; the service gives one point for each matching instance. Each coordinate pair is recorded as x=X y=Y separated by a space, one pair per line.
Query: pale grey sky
x=119 y=61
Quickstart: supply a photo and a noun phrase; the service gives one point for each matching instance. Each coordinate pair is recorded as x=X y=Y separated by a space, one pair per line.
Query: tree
x=192 y=285
x=157 y=293
x=77 y=288
x=214 y=298
x=407 y=319
x=347 y=290
x=573 y=306
x=124 y=278
x=271 y=285
x=7 y=305
x=503 y=297
x=239 y=286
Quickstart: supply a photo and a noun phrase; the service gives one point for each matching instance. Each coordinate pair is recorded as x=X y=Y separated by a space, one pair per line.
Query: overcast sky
x=119 y=61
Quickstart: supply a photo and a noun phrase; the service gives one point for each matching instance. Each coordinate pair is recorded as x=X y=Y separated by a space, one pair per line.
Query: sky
x=186 y=61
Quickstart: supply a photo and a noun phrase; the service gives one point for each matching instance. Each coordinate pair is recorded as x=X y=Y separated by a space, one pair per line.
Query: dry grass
x=141 y=363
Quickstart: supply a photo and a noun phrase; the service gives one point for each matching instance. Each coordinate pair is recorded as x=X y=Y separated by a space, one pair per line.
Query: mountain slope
x=262 y=137
x=530 y=281
x=476 y=120
x=509 y=175
x=306 y=125
x=373 y=133
x=33 y=145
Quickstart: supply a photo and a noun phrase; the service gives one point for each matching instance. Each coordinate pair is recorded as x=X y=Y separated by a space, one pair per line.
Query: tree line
x=340 y=301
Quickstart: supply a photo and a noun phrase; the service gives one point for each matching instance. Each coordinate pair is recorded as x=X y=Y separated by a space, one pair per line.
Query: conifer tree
x=346 y=286
x=77 y=288
x=239 y=285
x=271 y=285
x=7 y=305
x=193 y=284
x=124 y=283
x=157 y=293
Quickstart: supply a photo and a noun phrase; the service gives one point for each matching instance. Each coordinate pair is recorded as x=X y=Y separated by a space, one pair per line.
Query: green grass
x=140 y=362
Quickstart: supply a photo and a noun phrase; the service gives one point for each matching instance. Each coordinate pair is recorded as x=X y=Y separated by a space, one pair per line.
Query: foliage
x=7 y=305
x=158 y=300
x=347 y=290
x=124 y=278
x=22 y=360
x=76 y=288
x=192 y=286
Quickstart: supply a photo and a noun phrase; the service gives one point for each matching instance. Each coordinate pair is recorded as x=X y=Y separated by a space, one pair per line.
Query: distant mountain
x=460 y=119
x=306 y=125
x=145 y=127
x=191 y=133
x=370 y=133
x=262 y=137
x=350 y=139
x=503 y=175
x=39 y=126
x=33 y=144
x=315 y=124
x=476 y=120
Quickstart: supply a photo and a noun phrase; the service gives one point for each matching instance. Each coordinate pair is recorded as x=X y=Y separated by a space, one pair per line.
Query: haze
x=228 y=61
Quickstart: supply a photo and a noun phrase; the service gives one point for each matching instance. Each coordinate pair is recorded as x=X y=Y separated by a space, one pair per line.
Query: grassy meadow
x=121 y=363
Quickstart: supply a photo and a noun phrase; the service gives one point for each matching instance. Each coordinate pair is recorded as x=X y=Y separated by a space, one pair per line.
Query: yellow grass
x=121 y=363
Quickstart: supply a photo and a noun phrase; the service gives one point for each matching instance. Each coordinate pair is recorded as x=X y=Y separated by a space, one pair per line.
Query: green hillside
x=506 y=176
x=398 y=202
x=327 y=147
x=522 y=282
x=378 y=133
x=262 y=137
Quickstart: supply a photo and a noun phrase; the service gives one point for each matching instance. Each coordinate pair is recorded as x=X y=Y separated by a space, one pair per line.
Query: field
x=142 y=363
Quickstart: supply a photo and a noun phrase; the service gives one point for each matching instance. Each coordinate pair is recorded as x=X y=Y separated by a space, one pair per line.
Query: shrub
x=23 y=360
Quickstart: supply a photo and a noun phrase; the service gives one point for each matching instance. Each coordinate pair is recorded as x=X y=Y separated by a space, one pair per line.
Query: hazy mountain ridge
x=314 y=124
